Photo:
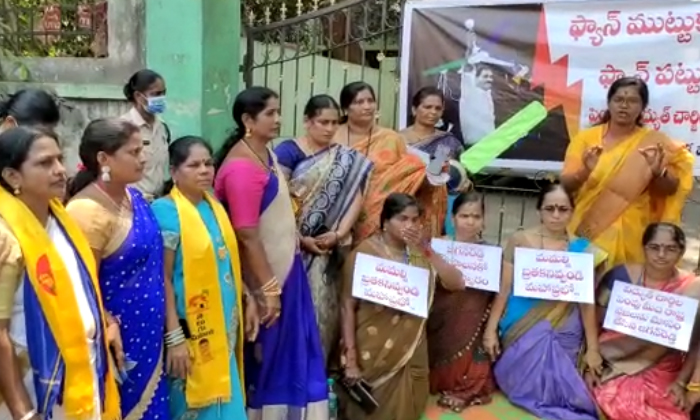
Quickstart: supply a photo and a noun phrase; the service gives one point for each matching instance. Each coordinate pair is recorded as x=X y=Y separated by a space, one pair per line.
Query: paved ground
x=511 y=210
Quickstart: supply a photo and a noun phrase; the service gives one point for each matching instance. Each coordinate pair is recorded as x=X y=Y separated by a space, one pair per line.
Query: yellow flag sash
x=54 y=289
x=209 y=381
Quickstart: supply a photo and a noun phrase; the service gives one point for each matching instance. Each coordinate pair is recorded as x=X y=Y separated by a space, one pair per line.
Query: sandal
x=454 y=404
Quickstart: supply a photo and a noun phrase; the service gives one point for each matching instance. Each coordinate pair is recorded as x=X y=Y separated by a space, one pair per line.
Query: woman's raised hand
x=655 y=157
x=591 y=157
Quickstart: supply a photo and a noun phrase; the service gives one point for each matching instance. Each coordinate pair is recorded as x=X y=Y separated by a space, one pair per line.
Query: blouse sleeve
x=166 y=215
x=95 y=222
x=288 y=154
x=243 y=185
x=11 y=268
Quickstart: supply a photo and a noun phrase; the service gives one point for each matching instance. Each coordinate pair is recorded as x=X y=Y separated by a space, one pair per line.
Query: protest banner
x=480 y=264
x=554 y=275
x=391 y=284
x=652 y=315
x=494 y=59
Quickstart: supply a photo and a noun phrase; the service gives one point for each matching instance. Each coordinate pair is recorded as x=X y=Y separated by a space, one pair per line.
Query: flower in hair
x=81 y=167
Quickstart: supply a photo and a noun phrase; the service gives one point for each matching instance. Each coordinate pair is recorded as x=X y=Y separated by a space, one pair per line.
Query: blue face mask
x=155 y=105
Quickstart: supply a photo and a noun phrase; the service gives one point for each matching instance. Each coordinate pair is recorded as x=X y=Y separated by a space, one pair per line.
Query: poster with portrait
x=492 y=59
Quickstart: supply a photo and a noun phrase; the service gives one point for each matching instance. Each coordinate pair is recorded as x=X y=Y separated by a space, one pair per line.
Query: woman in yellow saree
x=625 y=175
x=56 y=339
x=395 y=169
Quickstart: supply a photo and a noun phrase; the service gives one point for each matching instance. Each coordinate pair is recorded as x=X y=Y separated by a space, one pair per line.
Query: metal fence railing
x=53 y=28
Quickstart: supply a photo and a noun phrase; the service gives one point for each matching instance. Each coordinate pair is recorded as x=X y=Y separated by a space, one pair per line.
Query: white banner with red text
x=492 y=60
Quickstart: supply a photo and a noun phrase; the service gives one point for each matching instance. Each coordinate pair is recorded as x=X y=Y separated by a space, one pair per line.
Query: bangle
x=271 y=288
x=29 y=415
x=175 y=337
x=693 y=387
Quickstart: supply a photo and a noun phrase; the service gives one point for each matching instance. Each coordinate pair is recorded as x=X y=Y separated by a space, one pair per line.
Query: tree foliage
x=50 y=28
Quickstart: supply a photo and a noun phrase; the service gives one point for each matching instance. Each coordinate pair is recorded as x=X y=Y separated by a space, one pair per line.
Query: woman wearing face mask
x=625 y=175
x=28 y=107
x=460 y=369
x=542 y=339
x=146 y=91
x=642 y=380
x=128 y=247
x=395 y=169
x=285 y=370
x=202 y=262
x=54 y=331
x=326 y=181
x=385 y=347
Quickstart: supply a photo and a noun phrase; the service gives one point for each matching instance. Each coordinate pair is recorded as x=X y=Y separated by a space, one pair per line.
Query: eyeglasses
x=555 y=208
x=667 y=249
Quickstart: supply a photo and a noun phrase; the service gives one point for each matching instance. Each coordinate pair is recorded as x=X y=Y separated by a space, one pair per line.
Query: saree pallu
x=285 y=369
x=638 y=373
x=458 y=175
x=166 y=213
x=617 y=202
x=541 y=341
x=392 y=349
x=133 y=286
x=459 y=365
x=396 y=171
x=325 y=185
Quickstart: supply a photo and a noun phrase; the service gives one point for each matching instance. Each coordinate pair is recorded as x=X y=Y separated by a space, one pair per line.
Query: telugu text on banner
x=554 y=275
x=480 y=264
x=392 y=284
x=660 y=317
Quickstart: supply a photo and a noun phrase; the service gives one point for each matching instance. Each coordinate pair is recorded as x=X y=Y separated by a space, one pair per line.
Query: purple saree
x=541 y=341
x=284 y=369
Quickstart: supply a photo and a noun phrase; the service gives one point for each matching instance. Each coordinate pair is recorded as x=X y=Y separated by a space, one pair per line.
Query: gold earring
x=248 y=133
x=16 y=191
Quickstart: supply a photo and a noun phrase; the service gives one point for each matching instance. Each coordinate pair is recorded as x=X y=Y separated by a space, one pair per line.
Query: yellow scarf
x=56 y=296
x=210 y=381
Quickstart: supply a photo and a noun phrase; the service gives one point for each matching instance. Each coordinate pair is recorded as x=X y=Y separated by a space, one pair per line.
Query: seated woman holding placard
x=460 y=369
x=385 y=349
x=541 y=340
x=642 y=380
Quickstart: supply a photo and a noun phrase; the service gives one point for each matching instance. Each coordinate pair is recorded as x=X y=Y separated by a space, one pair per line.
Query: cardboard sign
x=392 y=284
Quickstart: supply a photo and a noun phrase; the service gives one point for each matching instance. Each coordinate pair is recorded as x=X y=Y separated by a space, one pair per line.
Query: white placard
x=480 y=264
x=660 y=317
x=554 y=275
x=392 y=284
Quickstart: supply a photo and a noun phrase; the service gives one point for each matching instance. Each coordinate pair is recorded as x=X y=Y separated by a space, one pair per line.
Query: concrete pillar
x=195 y=45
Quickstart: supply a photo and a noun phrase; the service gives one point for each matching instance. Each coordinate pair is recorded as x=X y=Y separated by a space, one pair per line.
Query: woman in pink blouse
x=284 y=368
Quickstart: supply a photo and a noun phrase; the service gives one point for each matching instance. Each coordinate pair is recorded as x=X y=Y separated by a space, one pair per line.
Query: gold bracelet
x=270 y=284
x=693 y=387
x=271 y=288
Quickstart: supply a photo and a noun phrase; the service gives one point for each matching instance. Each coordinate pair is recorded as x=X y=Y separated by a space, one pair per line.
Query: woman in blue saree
x=326 y=181
x=191 y=205
x=542 y=340
x=427 y=108
x=128 y=248
x=284 y=368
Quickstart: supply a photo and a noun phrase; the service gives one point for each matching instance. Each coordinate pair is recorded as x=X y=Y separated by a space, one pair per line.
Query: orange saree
x=617 y=202
x=396 y=171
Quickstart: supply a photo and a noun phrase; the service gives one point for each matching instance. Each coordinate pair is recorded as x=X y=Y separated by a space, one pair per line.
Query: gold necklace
x=392 y=252
x=267 y=166
x=122 y=206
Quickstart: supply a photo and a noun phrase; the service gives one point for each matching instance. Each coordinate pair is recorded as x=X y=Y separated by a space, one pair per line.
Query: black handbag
x=361 y=393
